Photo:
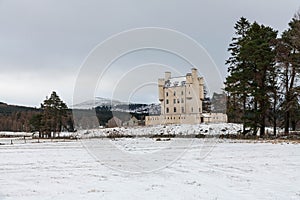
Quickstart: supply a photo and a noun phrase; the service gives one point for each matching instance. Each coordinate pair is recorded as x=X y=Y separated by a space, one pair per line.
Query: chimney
x=194 y=73
x=167 y=75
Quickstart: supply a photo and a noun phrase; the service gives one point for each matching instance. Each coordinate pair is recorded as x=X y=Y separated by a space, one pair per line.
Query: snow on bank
x=178 y=130
x=140 y=131
x=14 y=134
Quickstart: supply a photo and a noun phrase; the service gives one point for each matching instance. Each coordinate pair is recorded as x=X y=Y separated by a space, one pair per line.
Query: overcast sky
x=43 y=43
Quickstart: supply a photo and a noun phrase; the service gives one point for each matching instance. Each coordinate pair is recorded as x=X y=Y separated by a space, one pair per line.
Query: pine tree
x=288 y=56
x=252 y=73
x=258 y=52
x=35 y=123
x=236 y=82
x=54 y=115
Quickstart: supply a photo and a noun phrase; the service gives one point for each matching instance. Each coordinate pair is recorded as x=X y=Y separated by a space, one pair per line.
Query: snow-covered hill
x=116 y=105
x=98 y=101
x=152 y=109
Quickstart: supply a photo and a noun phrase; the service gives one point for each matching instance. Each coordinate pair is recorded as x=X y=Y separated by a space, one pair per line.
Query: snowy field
x=208 y=169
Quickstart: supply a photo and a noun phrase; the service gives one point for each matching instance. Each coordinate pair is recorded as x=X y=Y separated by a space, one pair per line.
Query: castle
x=181 y=101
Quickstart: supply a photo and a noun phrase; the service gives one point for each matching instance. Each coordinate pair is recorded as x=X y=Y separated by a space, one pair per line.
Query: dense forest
x=263 y=82
x=16 y=118
x=54 y=116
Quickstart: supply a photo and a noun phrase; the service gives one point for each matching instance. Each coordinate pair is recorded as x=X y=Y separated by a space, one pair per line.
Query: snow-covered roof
x=175 y=81
x=206 y=115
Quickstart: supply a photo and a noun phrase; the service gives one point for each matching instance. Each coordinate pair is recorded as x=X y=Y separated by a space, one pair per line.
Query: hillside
x=105 y=104
x=17 y=118
x=6 y=109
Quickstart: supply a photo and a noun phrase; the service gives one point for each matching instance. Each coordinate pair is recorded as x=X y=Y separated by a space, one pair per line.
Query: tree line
x=263 y=83
x=51 y=118
x=54 y=116
x=16 y=118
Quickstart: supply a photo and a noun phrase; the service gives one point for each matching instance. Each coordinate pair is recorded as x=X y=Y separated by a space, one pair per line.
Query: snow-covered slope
x=177 y=130
x=98 y=101
x=116 y=105
x=183 y=130
x=152 y=109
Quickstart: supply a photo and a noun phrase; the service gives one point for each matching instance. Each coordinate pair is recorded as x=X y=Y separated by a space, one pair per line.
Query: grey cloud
x=43 y=37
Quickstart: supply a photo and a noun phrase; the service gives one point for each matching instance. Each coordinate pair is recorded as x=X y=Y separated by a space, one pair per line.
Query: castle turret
x=189 y=79
x=161 y=83
x=194 y=73
x=167 y=76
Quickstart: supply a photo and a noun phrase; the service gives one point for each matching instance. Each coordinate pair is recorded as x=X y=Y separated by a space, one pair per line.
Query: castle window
x=192 y=109
x=181 y=92
x=167 y=94
x=174 y=93
x=174 y=109
x=199 y=109
x=167 y=101
x=167 y=110
x=174 y=101
x=182 y=109
x=182 y=100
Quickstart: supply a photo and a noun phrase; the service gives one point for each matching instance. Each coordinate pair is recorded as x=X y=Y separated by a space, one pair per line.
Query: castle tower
x=181 y=101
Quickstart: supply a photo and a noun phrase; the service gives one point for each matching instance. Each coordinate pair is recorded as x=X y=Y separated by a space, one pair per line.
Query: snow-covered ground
x=14 y=134
x=228 y=170
x=178 y=130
